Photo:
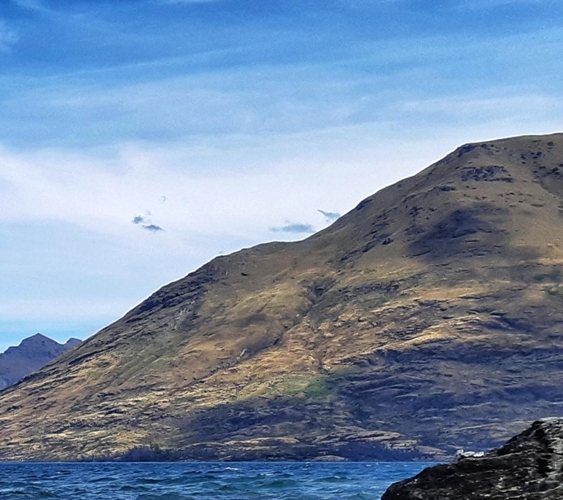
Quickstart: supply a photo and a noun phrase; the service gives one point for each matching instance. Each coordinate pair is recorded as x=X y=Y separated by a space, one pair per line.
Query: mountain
x=427 y=319
x=32 y=353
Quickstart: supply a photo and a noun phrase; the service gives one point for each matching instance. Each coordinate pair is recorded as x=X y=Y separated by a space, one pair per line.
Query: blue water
x=201 y=481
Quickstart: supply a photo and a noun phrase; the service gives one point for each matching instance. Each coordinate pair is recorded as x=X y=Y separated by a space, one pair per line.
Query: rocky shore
x=528 y=467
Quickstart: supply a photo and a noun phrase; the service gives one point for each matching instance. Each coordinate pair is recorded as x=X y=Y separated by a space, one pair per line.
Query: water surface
x=201 y=481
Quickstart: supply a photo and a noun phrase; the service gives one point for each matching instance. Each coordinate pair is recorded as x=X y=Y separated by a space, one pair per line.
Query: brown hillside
x=427 y=319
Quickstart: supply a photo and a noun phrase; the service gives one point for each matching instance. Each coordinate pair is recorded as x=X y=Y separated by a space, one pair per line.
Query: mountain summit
x=427 y=319
x=33 y=353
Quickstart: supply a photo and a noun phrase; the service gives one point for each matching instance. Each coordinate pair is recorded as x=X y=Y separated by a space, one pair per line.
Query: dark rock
x=489 y=173
x=528 y=467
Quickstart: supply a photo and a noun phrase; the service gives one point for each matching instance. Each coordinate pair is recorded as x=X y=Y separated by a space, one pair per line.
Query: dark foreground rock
x=528 y=467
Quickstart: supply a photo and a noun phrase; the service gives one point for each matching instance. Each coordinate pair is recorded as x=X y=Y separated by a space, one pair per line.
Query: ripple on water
x=162 y=496
x=201 y=481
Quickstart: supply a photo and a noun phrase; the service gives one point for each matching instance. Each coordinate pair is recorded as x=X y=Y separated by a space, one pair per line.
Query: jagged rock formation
x=435 y=304
x=32 y=354
x=528 y=467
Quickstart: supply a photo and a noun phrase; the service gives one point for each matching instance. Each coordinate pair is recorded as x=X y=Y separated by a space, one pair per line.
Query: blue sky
x=141 y=138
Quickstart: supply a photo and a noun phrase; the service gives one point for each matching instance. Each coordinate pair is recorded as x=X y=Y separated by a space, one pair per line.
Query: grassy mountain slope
x=426 y=319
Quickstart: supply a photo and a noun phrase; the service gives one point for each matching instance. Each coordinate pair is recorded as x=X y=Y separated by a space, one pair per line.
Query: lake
x=201 y=481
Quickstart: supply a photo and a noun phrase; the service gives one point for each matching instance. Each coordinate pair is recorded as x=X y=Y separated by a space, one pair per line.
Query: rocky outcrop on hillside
x=528 y=467
x=435 y=304
x=32 y=354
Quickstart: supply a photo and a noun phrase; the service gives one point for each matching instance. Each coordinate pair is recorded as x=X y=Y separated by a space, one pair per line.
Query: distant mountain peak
x=30 y=355
x=38 y=338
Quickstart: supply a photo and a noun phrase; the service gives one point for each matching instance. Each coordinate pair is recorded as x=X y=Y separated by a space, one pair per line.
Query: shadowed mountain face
x=32 y=353
x=429 y=318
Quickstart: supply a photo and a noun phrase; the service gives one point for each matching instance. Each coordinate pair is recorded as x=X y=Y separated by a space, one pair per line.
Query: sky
x=141 y=138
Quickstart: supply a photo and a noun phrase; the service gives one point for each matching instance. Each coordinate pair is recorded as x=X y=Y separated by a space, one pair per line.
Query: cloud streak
x=294 y=228
x=153 y=228
x=329 y=216
x=146 y=223
x=213 y=98
x=8 y=38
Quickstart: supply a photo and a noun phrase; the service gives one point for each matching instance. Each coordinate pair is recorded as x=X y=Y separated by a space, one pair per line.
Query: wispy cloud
x=293 y=227
x=146 y=223
x=501 y=105
x=206 y=94
x=28 y=4
x=329 y=216
x=153 y=228
x=68 y=186
x=8 y=37
x=37 y=6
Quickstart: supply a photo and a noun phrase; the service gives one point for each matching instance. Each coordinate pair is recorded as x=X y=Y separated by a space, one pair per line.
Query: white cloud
x=237 y=186
x=217 y=192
